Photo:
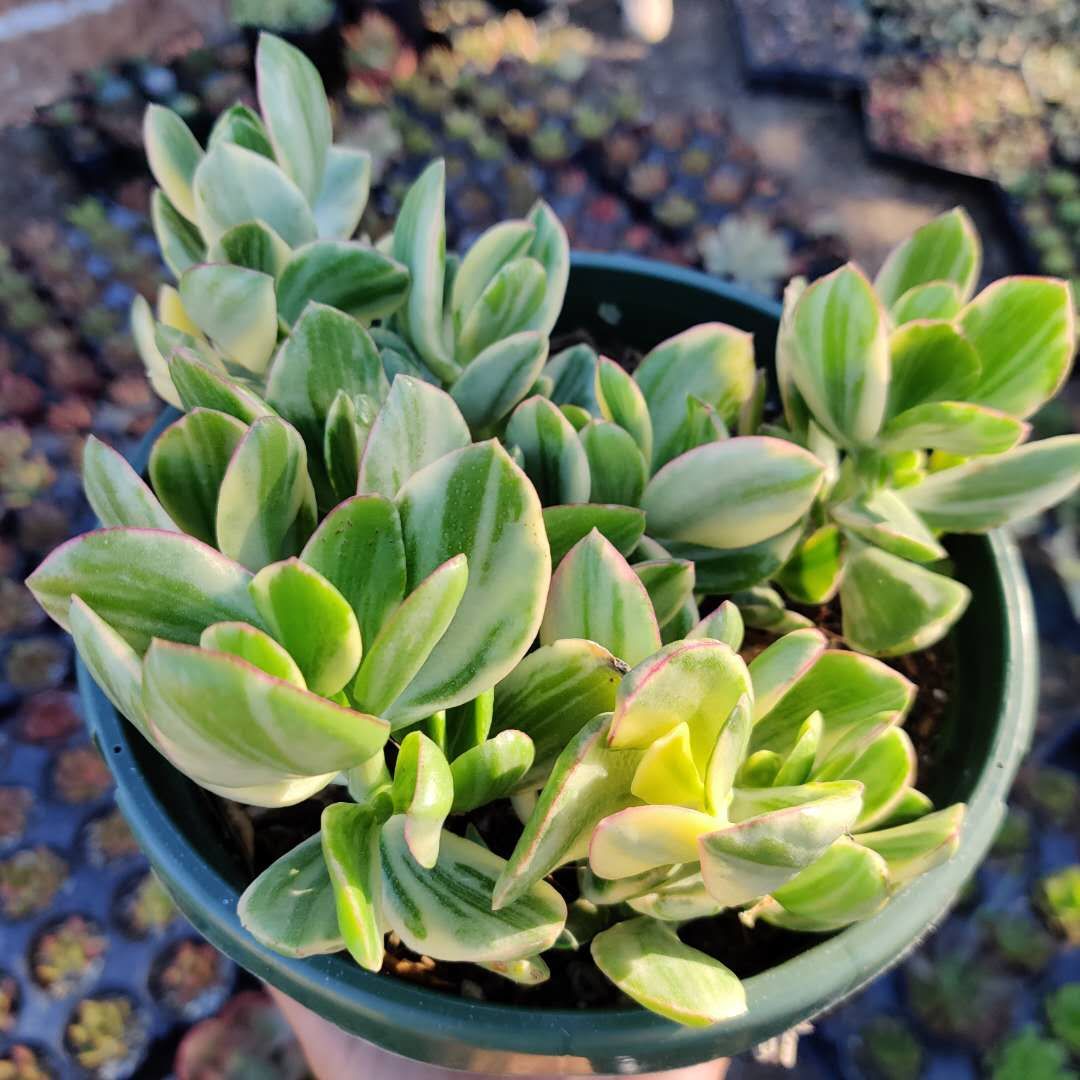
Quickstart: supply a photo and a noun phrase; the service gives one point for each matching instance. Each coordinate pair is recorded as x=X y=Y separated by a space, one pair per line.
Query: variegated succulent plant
x=327 y=583
x=915 y=392
x=783 y=788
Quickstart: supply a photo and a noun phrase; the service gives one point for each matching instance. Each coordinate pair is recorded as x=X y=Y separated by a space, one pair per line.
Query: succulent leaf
x=712 y=362
x=116 y=493
x=945 y=249
x=201 y=386
x=312 y=621
x=350 y=849
x=477 y=502
x=423 y=792
x=493 y=249
x=181 y=243
x=885 y=520
x=253 y=245
x=646 y=960
x=841 y=361
x=917 y=846
x=775 y=670
x=266 y=504
x=621 y=401
x=348 y=276
x=617 y=467
x=408 y=636
x=343 y=195
x=567 y=525
x=553 y=693
x=893 y=606
x=725 y=625
x=491 y=770
x=992 y=491
x=551 y=248
x=145 y=583
x=732 y=494
x=812 y=575
x=929 y=361
x=295 y=111
x=290 y=907
x=417 y=425
x=173 y=154
x=447 y=912
x=555 y=460
x=931 y=300
x=256 y=647
x=642 y=838
x=498 y=377
x=1024 y=331
x=596 y=595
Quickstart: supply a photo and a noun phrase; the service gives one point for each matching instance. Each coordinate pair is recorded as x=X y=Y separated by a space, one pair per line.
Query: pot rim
x=427 y=1024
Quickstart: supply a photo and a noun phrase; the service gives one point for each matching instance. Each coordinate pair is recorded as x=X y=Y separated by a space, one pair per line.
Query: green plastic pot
x=636 y=302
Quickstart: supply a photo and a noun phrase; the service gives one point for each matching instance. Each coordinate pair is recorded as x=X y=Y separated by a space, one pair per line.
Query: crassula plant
x=393 y=554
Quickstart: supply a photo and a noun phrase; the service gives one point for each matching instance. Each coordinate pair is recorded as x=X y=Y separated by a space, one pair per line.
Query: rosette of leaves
x=915 y=393
x=783 y=788
x=257 y=229
x=265 y=649
x=666 y=465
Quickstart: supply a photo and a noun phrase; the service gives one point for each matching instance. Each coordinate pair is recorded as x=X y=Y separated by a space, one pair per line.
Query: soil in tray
x=261 y=836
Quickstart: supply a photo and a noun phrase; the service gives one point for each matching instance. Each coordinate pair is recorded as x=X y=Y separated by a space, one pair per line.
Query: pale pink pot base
x=333 y=1054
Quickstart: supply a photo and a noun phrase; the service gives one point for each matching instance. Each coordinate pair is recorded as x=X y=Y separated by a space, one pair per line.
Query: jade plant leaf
x=553 y=693
x=668 y=775
x=798 y=765
x=312 y=620
x=468 y=724
x=617 y=468
x=506 y=306
x=492 y=249
x=893 y=606
x=621 y=401
x=725 y=625
x=236 y=308
x=295 y=110
x=475 y=502
x=290 y=907
x=145 y=583
x=498 y=377
x=712 y=362
x=848 y=883
x=349 y=277
x=256 y=647
x=957 y=427
x=646 y=960
x=932 y=300
x=756 y=856
x=187 y=464
x=275 y=731
x=555 y=460
x=348 y=422
x=642 y=838
x=423 y=792
x=234 y=185
x=566 y=525
x=1024 y=331
x=727 y=753
x=776 y=669
x=116 y=492
x=253 y=245
x=409 y=635
x=573 y=373
x=929 y=361
x=945 y=249
x=358 y=548
x=157 y=367
x=595 y=594
x=887 y=521
x=447 y=913
x=723 y=572
x=344 y=193
x=551 y=248
x=917 y=846
x=983 y=494
x=841 y=355
x=243 y=126
x=420 y=244
x=266 y=504
x=696 y=682
x=350 y=848
x=669 y=583
x=417 y=424
x=812 y=574
x=588 y=782
x=173 y=155
x=112 y=662
x=180 y=241
x=201 y=386
x=681 y=902
x=885 y=769
x=846 y=688
x=732 y=494
x=491 y=770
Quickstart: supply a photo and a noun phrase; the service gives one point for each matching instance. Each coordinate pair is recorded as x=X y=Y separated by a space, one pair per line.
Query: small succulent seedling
x=916 y=395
